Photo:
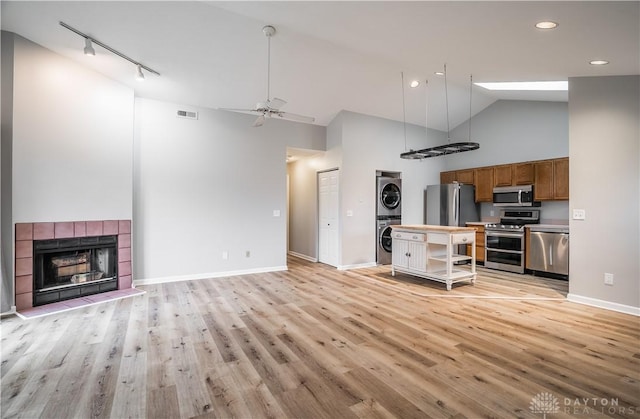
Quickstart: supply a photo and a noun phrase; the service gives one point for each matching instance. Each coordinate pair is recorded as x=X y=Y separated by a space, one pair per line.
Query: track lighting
x=88 y=50
x=139 y=74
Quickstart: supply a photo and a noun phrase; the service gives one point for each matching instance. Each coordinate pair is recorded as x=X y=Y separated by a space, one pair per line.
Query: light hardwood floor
x=314 y=342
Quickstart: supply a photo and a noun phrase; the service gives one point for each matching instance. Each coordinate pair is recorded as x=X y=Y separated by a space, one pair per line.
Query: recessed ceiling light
x=526 y=85
x=598 y=62
x=415 y=83
x=546 y=24
x=439 y=73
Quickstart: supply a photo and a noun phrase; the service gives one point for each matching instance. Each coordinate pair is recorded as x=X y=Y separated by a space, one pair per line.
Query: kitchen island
x=430 y=252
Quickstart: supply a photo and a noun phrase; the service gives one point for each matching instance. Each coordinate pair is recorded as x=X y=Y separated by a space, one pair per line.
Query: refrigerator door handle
x=456 y=207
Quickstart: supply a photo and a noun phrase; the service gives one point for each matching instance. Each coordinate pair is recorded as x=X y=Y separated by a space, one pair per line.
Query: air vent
x=187 y=114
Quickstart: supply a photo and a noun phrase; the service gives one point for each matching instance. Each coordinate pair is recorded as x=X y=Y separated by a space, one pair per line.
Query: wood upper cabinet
x=502 y=175
x=543 y=180
x=460 y=176
x=484 y=184
x=465 y=176
x=447 y=177
x=561 y=178
x=523 y=173
x=550 y=178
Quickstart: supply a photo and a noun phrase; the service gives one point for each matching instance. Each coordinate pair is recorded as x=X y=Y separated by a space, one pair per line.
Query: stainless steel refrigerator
x=450 y=205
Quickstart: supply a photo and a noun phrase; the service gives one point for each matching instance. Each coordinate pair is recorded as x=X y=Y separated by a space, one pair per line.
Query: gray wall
x=605 y=181
x=512 y=131
x=7 y=289
x=208 y=186
x=69 y=137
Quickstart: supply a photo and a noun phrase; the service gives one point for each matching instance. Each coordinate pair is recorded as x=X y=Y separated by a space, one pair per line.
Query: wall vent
x=187 y=114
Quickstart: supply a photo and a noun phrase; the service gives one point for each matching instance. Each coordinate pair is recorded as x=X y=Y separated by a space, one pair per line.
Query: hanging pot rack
x=445 y=149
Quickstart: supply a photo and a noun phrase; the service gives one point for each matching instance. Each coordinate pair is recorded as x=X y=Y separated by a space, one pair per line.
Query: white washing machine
x=389 y=197
x=383 y=248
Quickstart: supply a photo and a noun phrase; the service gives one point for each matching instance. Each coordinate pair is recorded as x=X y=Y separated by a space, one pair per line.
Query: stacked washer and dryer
x=388 y=213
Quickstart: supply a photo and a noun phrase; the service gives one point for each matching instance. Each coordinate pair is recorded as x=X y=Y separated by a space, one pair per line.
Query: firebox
x=74 y=267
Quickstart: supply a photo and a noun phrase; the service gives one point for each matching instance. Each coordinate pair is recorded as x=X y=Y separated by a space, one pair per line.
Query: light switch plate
x=349 y=213
x=276 y=213
x=579 y=214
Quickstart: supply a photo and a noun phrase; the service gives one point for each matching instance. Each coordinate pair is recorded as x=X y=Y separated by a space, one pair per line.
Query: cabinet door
x=465 y=176
x=400 y=253
x=447 y=177
x=561 y=179
x=418 y=256
x=484 y=184
x=502 y=175
x=543 y=184
x=523 y=174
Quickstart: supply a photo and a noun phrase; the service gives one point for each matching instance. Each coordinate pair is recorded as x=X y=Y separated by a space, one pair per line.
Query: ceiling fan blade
x=295 y=117
x=240 y=110
x=259 y=121
x=276 y=103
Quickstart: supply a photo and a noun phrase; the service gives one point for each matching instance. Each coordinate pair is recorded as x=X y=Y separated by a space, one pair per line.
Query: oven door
x=504 y=251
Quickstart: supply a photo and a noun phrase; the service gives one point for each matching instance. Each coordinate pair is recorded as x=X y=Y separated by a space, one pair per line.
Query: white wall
x=208 y=186
x=72 y=140
x=604 y=175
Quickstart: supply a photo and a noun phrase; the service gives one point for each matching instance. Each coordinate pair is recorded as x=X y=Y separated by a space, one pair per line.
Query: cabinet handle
x=464 y=239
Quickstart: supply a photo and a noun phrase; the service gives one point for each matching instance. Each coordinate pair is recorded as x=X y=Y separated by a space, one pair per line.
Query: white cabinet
x=430 y=252
x=409 y=251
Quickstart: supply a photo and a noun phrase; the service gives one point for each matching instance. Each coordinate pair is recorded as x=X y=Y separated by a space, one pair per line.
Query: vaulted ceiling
x=330 y=56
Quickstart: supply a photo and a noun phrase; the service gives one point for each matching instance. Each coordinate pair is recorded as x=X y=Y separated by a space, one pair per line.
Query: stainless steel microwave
x=514 y=196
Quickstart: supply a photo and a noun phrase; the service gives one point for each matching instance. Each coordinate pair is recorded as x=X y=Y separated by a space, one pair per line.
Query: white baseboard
x=177 y=278
x=357 y=266
x=301 y=256
x=9 y=313
x=608 y=305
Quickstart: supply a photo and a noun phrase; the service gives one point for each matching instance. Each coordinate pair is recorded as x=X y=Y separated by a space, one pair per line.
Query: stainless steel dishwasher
x=550 y=249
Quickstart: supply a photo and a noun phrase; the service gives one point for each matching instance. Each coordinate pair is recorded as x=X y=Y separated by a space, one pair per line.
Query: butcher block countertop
x=426 y=227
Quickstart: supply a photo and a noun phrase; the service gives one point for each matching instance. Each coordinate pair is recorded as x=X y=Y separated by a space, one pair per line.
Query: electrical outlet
x=579 y=214
x=225 y=255
x=608 y=279
x=247 y=254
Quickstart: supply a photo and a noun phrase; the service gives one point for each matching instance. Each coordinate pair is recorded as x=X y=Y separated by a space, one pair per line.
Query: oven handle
x=515 y=252
x=495 y=234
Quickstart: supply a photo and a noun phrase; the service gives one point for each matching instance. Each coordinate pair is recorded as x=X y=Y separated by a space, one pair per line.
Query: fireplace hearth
x=74 y=267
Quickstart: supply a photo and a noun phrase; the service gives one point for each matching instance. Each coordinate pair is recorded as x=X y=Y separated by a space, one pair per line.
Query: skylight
x=526 y=85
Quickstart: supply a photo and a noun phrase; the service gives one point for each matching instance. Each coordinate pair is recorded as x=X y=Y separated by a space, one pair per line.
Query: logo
x=544 y=403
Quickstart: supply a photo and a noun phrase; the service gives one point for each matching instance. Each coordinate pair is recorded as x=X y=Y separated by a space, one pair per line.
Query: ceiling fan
x=271 y=107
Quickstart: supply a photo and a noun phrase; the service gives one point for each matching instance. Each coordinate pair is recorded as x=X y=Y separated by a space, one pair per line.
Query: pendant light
x=449 y=148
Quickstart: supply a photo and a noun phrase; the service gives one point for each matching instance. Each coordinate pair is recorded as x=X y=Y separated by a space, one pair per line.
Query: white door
x=328 y=192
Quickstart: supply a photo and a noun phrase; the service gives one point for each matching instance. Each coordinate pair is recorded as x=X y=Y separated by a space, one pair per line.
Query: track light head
x=88 y=47
x=139 y=74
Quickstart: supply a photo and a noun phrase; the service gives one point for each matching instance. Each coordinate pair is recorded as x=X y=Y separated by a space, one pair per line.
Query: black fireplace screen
x=70 y=268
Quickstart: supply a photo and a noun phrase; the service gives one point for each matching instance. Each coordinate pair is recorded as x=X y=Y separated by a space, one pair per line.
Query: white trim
x=9 y=313
x=357 y=266
x=177 y=278
x=607 y=305
x=301 y=256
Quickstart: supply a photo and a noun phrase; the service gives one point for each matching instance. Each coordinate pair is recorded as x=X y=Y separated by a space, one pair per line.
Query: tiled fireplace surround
x=26 y=233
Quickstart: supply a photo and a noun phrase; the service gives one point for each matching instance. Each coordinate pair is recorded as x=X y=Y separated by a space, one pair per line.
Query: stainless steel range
x=504 y=242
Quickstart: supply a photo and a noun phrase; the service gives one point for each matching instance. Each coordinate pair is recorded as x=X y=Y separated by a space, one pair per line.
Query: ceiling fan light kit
x=270 y=107
x=445 y=149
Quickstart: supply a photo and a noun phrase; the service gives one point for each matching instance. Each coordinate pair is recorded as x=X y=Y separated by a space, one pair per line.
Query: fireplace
x=72 y=268
x=61 y=261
